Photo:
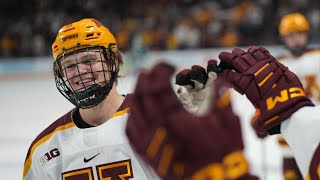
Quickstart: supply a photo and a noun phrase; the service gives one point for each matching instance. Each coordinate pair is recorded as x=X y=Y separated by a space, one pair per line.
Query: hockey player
x=173 y=138
x=89 y=142
x=304 y=61
x=294 y=30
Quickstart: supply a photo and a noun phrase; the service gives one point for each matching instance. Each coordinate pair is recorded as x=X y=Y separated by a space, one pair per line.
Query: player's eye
x=87 y=62
x=90 y=62
x=70 y=66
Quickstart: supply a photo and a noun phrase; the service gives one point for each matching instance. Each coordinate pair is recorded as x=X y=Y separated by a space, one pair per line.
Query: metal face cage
x=89 y=87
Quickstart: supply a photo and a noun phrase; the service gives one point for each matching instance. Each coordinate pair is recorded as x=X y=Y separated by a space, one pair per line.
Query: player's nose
x=83 y=68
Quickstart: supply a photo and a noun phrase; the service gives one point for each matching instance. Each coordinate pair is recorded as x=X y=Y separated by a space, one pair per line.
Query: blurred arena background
x=181 y=32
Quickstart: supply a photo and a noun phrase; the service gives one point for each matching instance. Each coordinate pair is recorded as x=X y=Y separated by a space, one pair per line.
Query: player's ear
x=119 y=58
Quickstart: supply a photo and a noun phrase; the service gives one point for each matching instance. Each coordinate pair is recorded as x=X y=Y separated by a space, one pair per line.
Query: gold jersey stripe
x=122 y=112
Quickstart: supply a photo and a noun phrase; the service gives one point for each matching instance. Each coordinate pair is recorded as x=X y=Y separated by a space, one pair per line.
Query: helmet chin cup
x=91 y=96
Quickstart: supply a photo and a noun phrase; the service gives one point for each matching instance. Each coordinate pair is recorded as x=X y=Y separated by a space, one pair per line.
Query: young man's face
x=296 y=40
x=83 y=69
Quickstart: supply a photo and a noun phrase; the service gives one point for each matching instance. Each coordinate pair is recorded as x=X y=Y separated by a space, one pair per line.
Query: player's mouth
x=86 y=82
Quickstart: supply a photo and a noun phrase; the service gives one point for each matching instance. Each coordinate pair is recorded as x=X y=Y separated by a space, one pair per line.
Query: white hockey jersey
x=302 y=133
x=64 y=151
x=307 y=68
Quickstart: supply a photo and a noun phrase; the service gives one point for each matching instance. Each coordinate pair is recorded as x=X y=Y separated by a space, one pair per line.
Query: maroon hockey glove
x=197 y=83
x=254 y=118
x=174 y=142
x=269 y=85
x=177 y=144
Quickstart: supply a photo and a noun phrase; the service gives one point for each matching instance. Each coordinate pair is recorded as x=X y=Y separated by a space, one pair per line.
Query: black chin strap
x=91 y=96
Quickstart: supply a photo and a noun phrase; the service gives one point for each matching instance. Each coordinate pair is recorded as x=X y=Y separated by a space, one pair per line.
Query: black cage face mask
x=85 y=74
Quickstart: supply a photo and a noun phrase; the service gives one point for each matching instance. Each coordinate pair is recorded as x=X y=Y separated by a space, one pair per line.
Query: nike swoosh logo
x=87 y=160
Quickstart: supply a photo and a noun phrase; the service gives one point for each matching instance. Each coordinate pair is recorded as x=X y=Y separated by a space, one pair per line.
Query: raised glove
x=174 y=142
x=177 y=144
x=196 y=89
x=269 y=85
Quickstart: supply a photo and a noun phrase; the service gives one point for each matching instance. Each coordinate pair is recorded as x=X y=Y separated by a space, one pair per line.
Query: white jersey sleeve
x=307 y=68
x=302 y=133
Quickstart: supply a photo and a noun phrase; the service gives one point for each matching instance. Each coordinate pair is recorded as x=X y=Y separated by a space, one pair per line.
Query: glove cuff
x=279 y=105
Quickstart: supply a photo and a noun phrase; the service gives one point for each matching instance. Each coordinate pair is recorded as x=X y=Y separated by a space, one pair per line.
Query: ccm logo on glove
x=284 y=96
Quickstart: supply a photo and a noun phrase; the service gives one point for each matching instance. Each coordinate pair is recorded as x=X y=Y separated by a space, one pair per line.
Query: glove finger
x=199 y=74
x=253 y=49
x=161 y=73
x=232 y=61
x=258 y=53
x=213 y=61
x=264 y=50
x=183 y=78
x=226 y=58
x=199 y=77
x=213 y=66
x=164 y=95
x=149 y=112
x=238 y=52
x=140 y=88
x=146 y=97
x=239 y=62
x=146 y=102
x=249 y=59
x=212 y=76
